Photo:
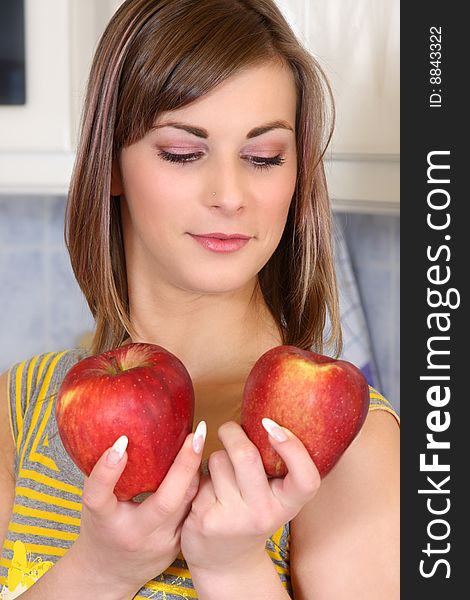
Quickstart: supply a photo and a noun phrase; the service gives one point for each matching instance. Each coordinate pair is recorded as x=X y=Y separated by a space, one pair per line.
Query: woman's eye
x=265 y=162
x=258 y=162
x=179 y=158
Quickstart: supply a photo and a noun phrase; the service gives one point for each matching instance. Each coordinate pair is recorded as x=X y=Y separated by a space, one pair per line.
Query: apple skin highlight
x=323 y=401
x=138 y=390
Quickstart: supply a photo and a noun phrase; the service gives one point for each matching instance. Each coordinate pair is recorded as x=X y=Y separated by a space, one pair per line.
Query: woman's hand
x=126 y=543
x=237 y=507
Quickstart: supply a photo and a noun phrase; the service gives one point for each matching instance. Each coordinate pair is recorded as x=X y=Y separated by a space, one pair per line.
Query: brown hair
x=160 y=55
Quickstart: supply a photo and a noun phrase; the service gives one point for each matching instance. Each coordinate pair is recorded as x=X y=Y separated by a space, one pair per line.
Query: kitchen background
x=356 y=42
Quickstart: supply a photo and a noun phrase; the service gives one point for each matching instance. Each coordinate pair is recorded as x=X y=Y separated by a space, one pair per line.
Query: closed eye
x=258 y=162
x=265 y=162
x=179 y=158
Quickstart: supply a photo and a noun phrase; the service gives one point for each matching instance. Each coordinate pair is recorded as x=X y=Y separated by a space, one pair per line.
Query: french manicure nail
x=274 y=429
x=117 y=451
x=199 y=437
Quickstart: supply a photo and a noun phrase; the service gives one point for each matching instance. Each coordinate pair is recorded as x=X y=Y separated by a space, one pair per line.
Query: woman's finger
x=98 y=490
x=246 y=460
x=223 y=477
x=175 y=490
x=206 y=497
x=303 y=479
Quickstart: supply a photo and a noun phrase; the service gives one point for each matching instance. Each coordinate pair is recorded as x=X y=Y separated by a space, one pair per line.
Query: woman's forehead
x=259 y=96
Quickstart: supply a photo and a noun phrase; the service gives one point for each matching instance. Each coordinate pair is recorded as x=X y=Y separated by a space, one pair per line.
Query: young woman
x=198 y=219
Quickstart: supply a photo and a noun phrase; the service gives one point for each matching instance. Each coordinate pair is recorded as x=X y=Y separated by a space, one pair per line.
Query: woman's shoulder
x=34 y=378
x=26 y=376
x=40 y=366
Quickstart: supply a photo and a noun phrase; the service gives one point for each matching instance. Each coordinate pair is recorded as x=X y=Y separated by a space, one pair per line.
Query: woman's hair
x=160 y=55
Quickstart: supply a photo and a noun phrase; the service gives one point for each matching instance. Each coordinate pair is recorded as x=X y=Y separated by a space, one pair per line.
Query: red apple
x=323 y=401
x=138 y=390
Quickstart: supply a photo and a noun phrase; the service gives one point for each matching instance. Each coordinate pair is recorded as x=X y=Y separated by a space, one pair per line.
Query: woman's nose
x=228 y=204
x=226 y=191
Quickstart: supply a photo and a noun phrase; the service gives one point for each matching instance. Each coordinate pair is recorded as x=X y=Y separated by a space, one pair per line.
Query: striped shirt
x=45 y=520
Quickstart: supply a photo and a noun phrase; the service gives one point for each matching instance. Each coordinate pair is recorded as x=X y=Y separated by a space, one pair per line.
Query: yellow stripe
x=47 y=499
x=373 y=393
x=36 y=513
x=276 y=538
x=29 y=383
x=185 y=574
x=35 y=456
x=279 y=568
x=45 y=461
x=42 y=531
x=41 y=395
x=160 y=586
x=43 y=365
x=179 y=572
x=382 y=401
x=282 y=570
x=39 y=549
x=3 y=580
x=50 y=482
x=19 y=413
x=10 y=412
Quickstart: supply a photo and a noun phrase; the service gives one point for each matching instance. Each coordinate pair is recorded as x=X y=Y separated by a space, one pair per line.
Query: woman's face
x=206 y=193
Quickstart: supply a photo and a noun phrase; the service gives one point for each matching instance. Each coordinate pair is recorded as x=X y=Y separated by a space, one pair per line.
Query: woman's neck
x=214 y=335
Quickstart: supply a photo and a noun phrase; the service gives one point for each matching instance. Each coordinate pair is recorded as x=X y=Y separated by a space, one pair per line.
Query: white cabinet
x=37 y=140
x=357 y=44
x=355 y=41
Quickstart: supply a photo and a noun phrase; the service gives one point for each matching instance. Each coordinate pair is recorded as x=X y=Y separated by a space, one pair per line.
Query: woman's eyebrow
x=203 y=133
x=256 y=131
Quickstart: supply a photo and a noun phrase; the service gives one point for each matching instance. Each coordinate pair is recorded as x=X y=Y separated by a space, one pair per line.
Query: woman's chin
x=219 y=285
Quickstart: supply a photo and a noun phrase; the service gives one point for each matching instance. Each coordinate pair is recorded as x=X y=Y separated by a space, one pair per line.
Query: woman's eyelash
x=179 y=158
x=262 y=162
x=258 y=162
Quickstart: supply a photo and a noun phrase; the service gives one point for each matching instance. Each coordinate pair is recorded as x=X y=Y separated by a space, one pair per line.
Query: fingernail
x=117 y=451
x=274 y=430
x=199 y=437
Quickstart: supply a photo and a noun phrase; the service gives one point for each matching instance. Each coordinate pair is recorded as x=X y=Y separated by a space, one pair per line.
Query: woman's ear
x=116 y=181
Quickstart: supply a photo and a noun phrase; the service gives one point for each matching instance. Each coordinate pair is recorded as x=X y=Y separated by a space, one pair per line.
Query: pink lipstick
x=221 y=242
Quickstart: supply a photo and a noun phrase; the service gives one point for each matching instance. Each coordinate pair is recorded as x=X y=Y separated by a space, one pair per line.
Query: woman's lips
x=221 y=242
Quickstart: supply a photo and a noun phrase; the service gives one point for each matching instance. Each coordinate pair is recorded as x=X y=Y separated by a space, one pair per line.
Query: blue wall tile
x=41 y=306
x=21 y=221
x=22 y=305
